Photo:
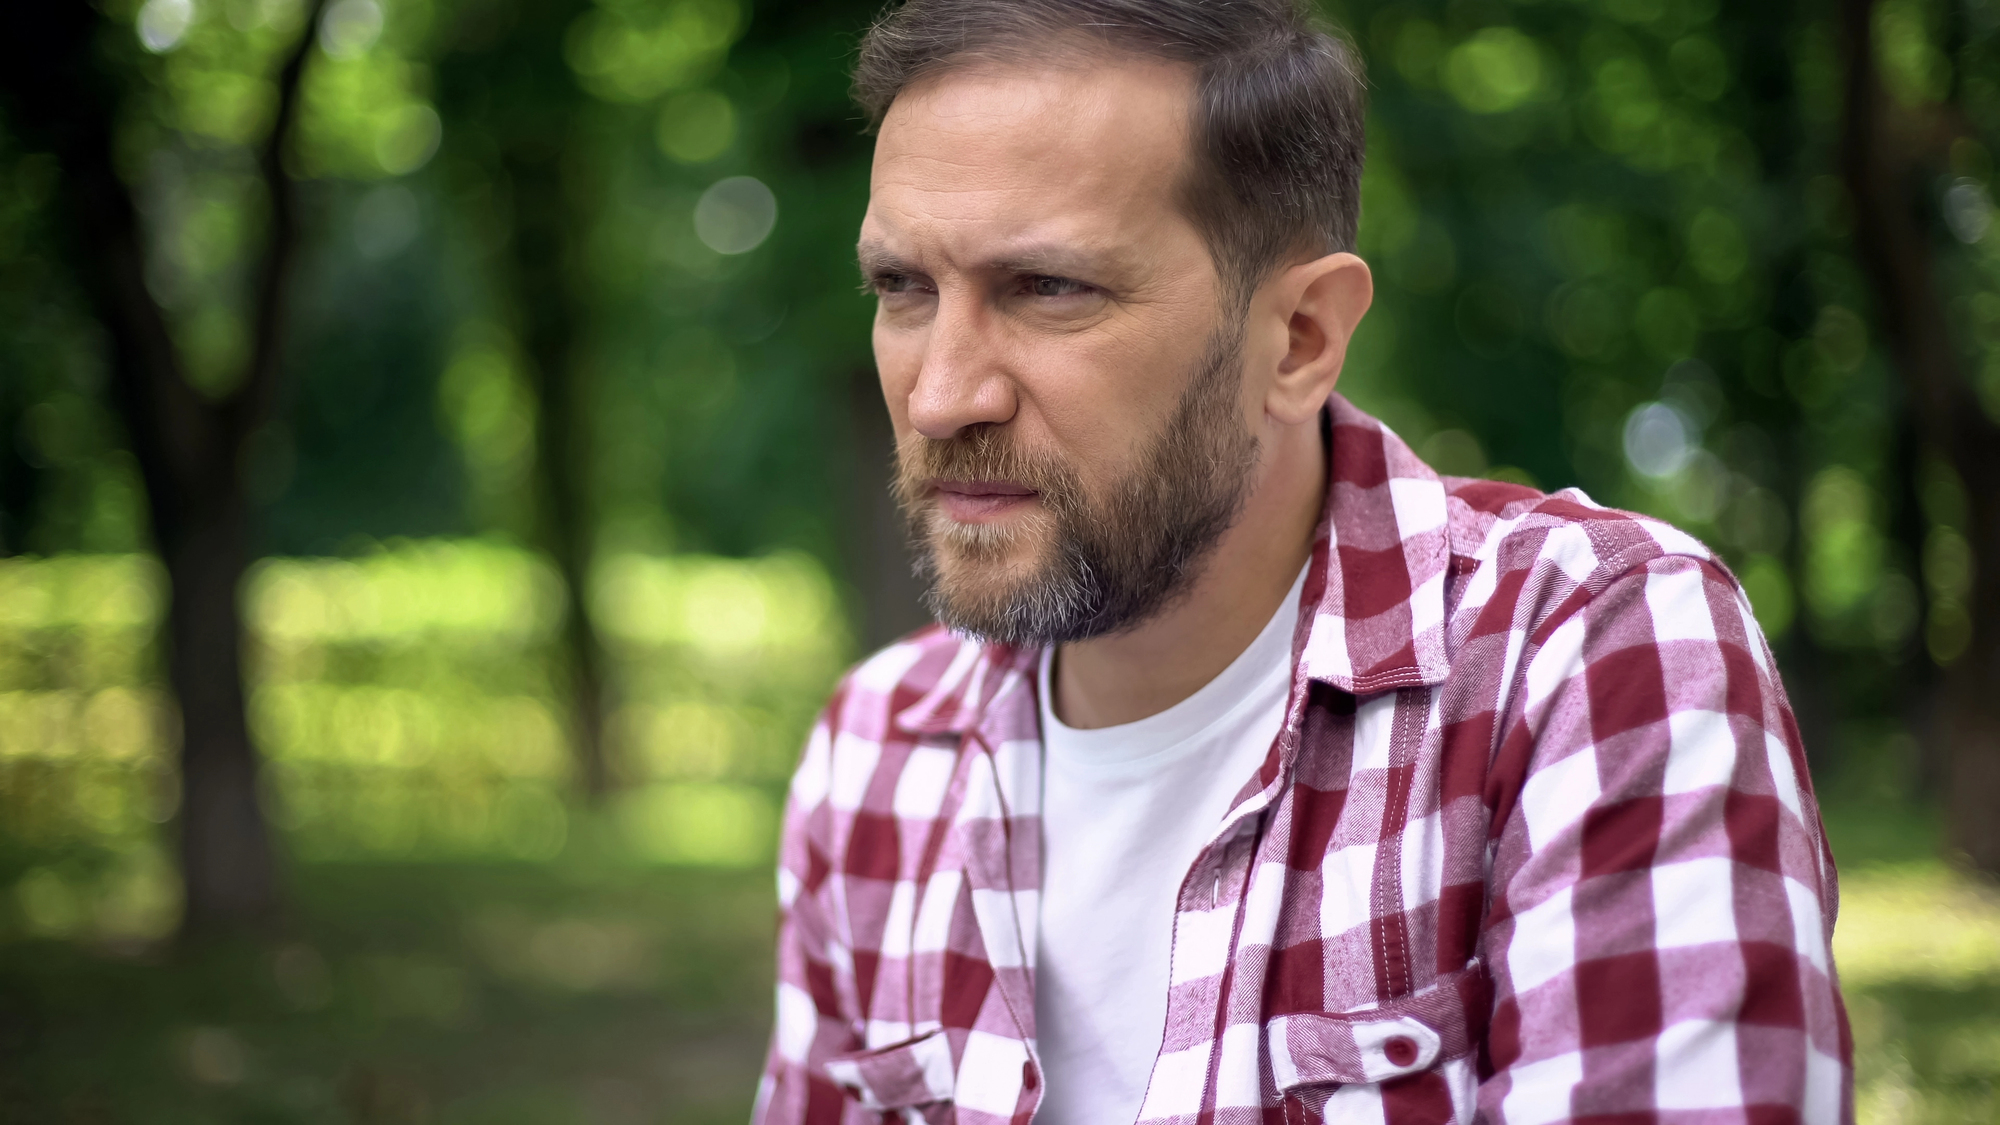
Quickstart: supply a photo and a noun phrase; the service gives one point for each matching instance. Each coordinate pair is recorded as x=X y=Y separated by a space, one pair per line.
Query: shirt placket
x=1220 y=877
x=1391 y=931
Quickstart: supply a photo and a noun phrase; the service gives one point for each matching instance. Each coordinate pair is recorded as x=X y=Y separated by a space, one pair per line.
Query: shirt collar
x=1379 y=563
x=962 y=697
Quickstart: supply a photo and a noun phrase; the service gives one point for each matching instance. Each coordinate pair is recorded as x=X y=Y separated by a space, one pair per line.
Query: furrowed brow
x=1058 y=260
x=1053 y=259
x=876 y=259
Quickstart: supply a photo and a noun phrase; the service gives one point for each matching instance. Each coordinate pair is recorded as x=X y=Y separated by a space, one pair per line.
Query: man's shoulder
x=1512 y=526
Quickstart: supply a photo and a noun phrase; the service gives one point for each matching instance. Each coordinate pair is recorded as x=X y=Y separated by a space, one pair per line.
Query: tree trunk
x=187 y=446
x=225 y=847
x=1879 y=170
x=508 y=79
x=878 y=539
x=1972 y=714
x=548 y=309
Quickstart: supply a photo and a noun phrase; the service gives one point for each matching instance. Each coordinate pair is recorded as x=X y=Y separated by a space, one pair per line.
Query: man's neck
x=1122 y=678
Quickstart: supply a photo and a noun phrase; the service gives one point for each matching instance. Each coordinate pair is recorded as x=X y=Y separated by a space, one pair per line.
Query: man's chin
x=975 y=588
x=983 y=571
x=994 y=549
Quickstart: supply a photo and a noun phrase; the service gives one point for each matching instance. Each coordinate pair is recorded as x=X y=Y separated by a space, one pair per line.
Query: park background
x=441 y=474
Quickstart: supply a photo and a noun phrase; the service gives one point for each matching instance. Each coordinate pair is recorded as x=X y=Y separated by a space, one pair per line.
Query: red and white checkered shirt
x=1536 y=844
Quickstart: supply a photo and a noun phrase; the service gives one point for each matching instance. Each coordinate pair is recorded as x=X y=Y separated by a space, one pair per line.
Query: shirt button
x=1028 y=1079
x=1401 y=1049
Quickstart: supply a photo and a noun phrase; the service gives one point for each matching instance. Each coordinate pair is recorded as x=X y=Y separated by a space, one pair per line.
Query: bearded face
x=1068 y=374
x=1090 y=559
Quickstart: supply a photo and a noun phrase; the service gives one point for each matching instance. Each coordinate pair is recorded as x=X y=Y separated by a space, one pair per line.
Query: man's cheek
x=896 y=369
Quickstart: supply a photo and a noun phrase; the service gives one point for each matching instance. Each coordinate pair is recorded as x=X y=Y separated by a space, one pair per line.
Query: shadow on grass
x=591 y=990
x=407 y=993
x=1927 y=1054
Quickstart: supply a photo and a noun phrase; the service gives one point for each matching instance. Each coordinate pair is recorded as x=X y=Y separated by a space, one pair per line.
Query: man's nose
x=963 y=380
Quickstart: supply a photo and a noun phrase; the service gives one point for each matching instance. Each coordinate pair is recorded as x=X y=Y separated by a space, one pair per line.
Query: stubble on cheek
x=1073 y=566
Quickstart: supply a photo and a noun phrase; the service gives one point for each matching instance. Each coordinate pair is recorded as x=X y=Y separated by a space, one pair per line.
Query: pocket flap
x=1382 y=1041
x=900 y=1076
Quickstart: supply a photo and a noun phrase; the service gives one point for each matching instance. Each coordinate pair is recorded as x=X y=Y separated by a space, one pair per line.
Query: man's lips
x=971 y=501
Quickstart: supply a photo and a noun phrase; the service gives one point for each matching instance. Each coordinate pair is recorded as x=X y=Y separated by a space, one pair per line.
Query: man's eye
x=1055 y=286
x=888 y=283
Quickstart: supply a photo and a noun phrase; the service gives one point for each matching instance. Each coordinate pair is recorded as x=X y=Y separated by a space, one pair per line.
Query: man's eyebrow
x=876 y=259
x=1055 y=258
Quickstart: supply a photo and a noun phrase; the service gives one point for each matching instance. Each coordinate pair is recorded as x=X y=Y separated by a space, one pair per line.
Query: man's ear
x=1321 y=301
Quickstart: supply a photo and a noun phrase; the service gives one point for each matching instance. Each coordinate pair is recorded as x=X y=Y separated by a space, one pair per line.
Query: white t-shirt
x=1125 y=810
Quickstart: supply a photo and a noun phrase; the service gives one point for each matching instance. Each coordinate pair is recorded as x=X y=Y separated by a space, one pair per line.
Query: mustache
x=979 y=453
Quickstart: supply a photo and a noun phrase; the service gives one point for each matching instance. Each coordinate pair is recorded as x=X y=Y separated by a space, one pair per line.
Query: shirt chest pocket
x=1390 y=1061
x=914 y=1080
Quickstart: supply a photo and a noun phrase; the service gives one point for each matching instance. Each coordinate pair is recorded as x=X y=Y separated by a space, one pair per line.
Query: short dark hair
x=1275 y=168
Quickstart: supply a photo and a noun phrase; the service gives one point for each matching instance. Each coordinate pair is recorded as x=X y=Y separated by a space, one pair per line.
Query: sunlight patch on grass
x=1916 y=922
x=1918 y=948
x=409 y=703
x=701 y=825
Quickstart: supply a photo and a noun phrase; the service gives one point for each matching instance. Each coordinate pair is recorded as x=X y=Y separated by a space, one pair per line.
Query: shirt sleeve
x=811 y=1023
x=1663 y=898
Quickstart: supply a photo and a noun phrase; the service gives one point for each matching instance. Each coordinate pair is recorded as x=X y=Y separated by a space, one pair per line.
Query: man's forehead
x=1029 y=162
x=982 y=94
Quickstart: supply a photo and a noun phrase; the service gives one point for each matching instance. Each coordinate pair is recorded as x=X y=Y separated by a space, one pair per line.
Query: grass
x=496 y=994
x=1918 y=948
x=594 y=990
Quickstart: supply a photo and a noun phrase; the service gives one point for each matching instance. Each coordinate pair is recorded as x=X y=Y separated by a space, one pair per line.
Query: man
x=1259 y=774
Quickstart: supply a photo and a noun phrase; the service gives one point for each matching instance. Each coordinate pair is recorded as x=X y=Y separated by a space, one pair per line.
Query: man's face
x=1072 y=427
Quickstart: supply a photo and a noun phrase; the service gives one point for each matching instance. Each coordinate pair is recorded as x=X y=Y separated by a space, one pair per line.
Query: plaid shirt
x=1536 y=844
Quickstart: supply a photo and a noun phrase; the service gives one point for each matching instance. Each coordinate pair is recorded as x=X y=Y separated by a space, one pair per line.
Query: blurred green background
x=554 y=505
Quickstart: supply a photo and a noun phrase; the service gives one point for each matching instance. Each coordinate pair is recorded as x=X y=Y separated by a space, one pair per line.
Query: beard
x=1103 y=563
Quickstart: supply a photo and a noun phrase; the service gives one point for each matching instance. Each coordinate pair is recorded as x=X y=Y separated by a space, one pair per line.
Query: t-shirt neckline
x=1178 y=729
